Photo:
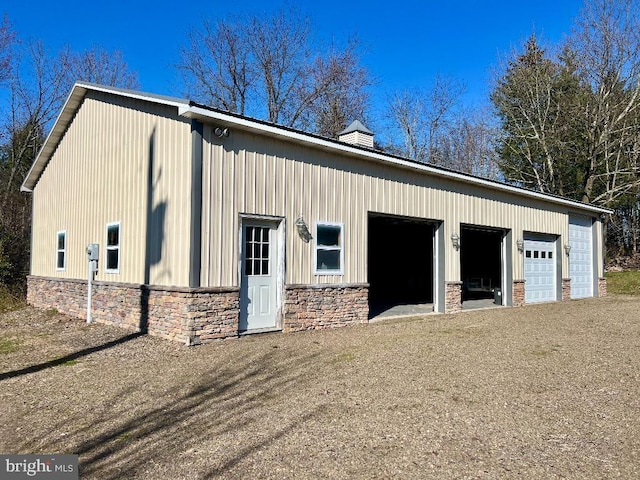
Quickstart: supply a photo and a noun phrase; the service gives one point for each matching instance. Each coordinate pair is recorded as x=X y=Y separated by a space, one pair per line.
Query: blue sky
x=407 y=42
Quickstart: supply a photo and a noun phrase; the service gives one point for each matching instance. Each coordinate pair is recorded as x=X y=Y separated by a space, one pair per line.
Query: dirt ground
x=548 y=391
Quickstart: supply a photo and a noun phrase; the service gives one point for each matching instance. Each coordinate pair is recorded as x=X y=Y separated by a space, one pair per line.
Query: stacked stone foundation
x=566 y=289
x=602 y=287
x=453 y=297
x=311 y=307
x=518 y=295
x=188 y=315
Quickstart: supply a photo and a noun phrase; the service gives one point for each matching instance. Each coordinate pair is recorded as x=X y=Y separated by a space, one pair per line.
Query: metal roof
x=190 y=109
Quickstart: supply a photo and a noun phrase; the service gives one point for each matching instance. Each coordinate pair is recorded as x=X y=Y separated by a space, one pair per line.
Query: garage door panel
x=580 y=257
x=539 y=271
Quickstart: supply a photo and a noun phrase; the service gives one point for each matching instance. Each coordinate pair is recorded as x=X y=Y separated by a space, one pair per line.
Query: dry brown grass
x=549 y=391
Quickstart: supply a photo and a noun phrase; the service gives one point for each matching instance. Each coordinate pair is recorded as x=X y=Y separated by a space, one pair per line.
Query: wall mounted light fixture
x=455 y=241
x=567 y=249
x=520 y=245
x=221 y=132
x=303 y=229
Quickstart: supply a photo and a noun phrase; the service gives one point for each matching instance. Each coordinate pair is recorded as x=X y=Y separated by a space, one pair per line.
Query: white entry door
x=539 y=271
x=580 y=257
x=259 y=265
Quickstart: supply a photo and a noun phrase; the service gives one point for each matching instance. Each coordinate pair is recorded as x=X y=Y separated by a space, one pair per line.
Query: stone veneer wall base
x=566 y=289
x=602 y=287
x=518 y=293
x=310 y=307
x=453 y=297
x=188 y=315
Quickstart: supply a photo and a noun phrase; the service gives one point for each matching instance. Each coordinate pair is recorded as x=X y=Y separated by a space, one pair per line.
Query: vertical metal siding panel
x=282 y=179
x=230 y=221
x=213 y=242
x=250 y=178
x=108 y=145
x=221 y=229
x=206 y=212
x=244 y=187
x=260 y=160
x=293 y=251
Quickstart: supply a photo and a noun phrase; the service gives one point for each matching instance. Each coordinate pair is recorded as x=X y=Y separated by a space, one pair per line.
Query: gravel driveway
x=548 y=391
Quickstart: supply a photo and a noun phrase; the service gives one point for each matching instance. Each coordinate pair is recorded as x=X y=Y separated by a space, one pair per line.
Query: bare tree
x=406 y=111
x=266 y=67
x=38 y=96
x=37 y=89
x=279 y=46
x=7 y=38
x=420 y=117
x=216 y=67
x=338 y=94
x=34 y=101
x=468 y=145
x=98 y=66
x=606 y=42
x=528 y=106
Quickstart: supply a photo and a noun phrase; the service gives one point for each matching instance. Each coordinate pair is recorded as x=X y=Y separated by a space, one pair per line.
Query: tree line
x=569 y=116
x=562 y=119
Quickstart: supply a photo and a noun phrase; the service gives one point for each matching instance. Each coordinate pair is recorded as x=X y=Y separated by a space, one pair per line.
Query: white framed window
x=329 y=257
x=112 y=257
x=61 y=250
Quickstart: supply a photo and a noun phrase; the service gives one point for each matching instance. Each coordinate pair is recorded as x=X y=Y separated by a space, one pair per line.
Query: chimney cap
x=356 y=126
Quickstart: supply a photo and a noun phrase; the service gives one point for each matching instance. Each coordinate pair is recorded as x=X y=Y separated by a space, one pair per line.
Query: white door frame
x=279 y=223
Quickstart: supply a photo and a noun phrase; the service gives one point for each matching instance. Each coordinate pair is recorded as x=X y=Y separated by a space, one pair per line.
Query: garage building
x=211 y=224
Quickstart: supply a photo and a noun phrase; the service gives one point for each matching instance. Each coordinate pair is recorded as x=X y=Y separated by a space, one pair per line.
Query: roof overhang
x=205 y=114
x=232 y=120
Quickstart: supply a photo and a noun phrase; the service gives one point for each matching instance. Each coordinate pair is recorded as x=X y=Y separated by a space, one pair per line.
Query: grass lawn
x=623 y=283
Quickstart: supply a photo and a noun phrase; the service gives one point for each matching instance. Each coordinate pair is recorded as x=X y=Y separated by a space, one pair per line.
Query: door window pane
x=256 y=250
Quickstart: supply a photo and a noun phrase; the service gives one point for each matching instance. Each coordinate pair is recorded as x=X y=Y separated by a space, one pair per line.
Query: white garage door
x=580 y=257
x=539 y=271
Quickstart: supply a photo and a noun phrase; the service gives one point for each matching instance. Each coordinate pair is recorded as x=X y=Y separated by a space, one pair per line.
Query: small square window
x=329 y=251
x=543 y=254
x=528 y=254
x=550 y=255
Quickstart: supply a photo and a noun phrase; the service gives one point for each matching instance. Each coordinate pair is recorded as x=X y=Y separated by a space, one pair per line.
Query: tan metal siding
x=99 y=174
x=252 y=174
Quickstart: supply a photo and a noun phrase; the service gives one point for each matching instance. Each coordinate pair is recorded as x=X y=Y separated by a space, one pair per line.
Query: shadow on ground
x=207 y=412
x=68 y=358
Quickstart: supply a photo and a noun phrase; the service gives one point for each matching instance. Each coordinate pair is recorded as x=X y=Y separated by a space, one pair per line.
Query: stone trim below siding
x=566 y=289
x=188 y=315
x=453 y=297
x=602 y=287
x=311 y=307
x=518 y=294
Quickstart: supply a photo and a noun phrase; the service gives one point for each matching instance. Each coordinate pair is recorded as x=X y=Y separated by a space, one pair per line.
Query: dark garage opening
x=481 y=264
x=400 y=262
